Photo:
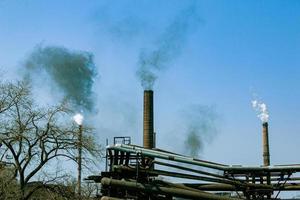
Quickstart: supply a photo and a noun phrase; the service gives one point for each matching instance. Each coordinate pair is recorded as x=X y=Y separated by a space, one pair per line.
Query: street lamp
x=78 y=118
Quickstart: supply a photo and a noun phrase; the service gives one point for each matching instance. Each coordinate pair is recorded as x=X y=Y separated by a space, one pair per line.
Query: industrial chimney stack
x=148 y=132
x=266 y=152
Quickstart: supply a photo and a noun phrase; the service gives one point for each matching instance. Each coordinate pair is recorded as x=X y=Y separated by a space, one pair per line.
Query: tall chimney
x=148 y=133
x=266 y=152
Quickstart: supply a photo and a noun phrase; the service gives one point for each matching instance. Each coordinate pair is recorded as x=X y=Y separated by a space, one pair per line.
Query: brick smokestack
x=148 y=132
x=266 y=152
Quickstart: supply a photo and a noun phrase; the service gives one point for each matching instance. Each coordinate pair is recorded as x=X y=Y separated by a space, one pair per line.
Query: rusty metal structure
x=149 y=173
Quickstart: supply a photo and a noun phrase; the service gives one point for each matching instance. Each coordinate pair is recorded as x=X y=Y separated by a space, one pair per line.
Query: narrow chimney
x=148 y=133
x=266 y=153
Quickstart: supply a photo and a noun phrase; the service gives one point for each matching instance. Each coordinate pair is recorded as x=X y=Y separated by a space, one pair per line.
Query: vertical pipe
x=148 y=141
x=106 y=156
x=266 y=152
x=79 y=159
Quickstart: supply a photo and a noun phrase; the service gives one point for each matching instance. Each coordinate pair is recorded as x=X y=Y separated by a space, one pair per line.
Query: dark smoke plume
x=200 y=127
x=72 y=71
x=167 y=47
x=127 y=28
x=193 y=143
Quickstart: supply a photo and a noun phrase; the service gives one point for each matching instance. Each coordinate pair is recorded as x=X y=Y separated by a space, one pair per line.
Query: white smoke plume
x=78 y=118
x=262 y=110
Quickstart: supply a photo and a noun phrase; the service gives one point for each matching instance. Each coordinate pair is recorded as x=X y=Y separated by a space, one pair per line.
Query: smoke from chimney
x=262 y=110
x=200 y=122
x=72 y=71
x=148 y=132
x=167 y=47
x=263 y=115
x=193 y=143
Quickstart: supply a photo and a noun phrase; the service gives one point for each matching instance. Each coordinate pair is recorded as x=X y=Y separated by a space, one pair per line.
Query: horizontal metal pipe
x=154 y=189
x=188 y=169
x=204 y=187
x=228 y=187
x=287 y=185
x=289 y=188
x=110 y=198
x=289 y=179
x=238 y=184
x=273 y=168
x=216 y=187
x=176 y=174
x=193 y=161
x=166 y=156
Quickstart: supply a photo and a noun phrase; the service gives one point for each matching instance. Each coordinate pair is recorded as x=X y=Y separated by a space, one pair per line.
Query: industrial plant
x=148 y=172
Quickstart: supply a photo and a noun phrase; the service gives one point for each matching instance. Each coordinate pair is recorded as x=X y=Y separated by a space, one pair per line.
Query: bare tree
x=31 y=137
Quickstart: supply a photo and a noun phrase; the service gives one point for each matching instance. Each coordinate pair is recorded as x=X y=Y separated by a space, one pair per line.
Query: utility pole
x=78 y=119
x=79 y=159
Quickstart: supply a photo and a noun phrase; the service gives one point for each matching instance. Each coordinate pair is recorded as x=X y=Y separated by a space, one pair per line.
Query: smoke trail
x=72 y=71
x=167 y=47
x=262 y=110
x=200 y=127
x=126 y=28
x=193 y=143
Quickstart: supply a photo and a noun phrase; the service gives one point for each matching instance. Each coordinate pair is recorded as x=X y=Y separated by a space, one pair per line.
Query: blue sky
x=237 y=48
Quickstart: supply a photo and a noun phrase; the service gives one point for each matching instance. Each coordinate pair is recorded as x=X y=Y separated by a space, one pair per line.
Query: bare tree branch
x=32 y=136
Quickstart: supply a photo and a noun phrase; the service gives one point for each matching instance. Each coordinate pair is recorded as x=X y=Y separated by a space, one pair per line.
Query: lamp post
x=78 y=118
